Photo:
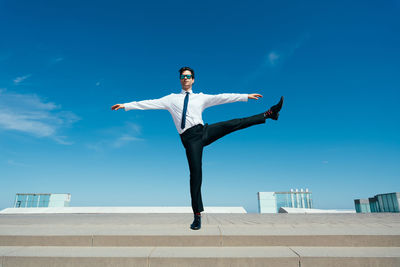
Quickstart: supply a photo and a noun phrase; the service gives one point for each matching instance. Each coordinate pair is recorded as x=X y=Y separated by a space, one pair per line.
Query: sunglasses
x=187 y=76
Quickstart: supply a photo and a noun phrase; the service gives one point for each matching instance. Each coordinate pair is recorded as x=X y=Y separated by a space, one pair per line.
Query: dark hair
x=186 y=68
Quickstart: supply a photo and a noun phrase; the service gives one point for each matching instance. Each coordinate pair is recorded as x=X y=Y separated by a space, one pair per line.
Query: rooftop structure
x=388 y=202
x=39 y=200
x=271 y=202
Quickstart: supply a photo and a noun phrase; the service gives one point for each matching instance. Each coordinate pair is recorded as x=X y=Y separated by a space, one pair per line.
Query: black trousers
x=199 y=136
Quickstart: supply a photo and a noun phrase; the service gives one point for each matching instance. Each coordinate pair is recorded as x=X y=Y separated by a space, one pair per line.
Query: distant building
x=41 y=200
x=380 y=203
x=271 y=202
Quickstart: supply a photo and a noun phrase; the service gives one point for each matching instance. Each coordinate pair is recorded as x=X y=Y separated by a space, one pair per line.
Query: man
x=186 y=108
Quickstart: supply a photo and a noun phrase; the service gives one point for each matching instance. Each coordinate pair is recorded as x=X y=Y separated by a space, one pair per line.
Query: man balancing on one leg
x=186 y=108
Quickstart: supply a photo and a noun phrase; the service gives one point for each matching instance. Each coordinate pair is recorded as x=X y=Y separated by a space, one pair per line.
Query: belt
x=191 y=130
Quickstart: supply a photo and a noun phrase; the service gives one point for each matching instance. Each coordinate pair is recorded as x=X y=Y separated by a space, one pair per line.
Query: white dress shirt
x=197 y=103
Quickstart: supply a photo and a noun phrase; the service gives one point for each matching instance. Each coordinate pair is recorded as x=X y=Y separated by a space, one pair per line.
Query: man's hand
x=254 y=96
x=117 y=106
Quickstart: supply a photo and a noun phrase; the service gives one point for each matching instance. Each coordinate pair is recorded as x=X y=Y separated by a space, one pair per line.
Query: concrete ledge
x=348 y=257
x=74 y=256
x=76 y=241
x=224 y=256
x=312 y=240
x=199 y=256
x=148 y=256
x=200 y=240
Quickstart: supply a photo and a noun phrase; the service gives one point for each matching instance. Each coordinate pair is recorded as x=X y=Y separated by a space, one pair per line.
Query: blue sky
x=63 y=64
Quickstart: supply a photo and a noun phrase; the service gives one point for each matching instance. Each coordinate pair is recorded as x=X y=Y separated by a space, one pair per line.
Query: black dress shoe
x=196 y=225
x=273 y=112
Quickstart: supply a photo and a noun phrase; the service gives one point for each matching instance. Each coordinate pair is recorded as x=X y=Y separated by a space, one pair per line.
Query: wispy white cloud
x=117 y=137
x=56 y=60
x=125 y=139
x=273 y=58
x=20 y=79
x=62 y=140
x=279 y=55
x=130 y=132
x=97 y=147
x=28 y=113
x=99 y=82
x=133 y=128
x=18 y=164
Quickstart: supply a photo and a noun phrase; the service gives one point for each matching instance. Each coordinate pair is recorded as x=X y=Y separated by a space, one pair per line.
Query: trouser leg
x=215 y=131
x=199 y=137
x=194 y=154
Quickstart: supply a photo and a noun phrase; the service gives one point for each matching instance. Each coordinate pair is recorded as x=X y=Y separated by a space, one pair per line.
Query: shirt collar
x=184 y=92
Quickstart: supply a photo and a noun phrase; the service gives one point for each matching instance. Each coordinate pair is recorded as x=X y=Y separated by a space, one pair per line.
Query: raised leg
x=215 y=131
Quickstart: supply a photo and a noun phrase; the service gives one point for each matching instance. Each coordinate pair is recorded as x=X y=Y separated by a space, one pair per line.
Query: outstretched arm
x=212 y=100
x=161 y=103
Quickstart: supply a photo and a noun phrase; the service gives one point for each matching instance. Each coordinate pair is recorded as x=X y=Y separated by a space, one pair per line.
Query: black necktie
x=185 y=103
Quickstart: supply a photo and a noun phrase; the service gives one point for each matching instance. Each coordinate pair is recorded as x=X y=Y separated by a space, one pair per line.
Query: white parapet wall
x=119 y=210
x=305 y=211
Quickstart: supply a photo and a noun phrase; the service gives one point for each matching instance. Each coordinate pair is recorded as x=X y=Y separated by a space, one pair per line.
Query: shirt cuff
x=245 y=97
x=127 y=107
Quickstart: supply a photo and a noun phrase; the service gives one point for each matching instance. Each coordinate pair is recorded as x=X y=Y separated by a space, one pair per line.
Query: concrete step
x=218 y=230
x=199 y=256
x=159 y=238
